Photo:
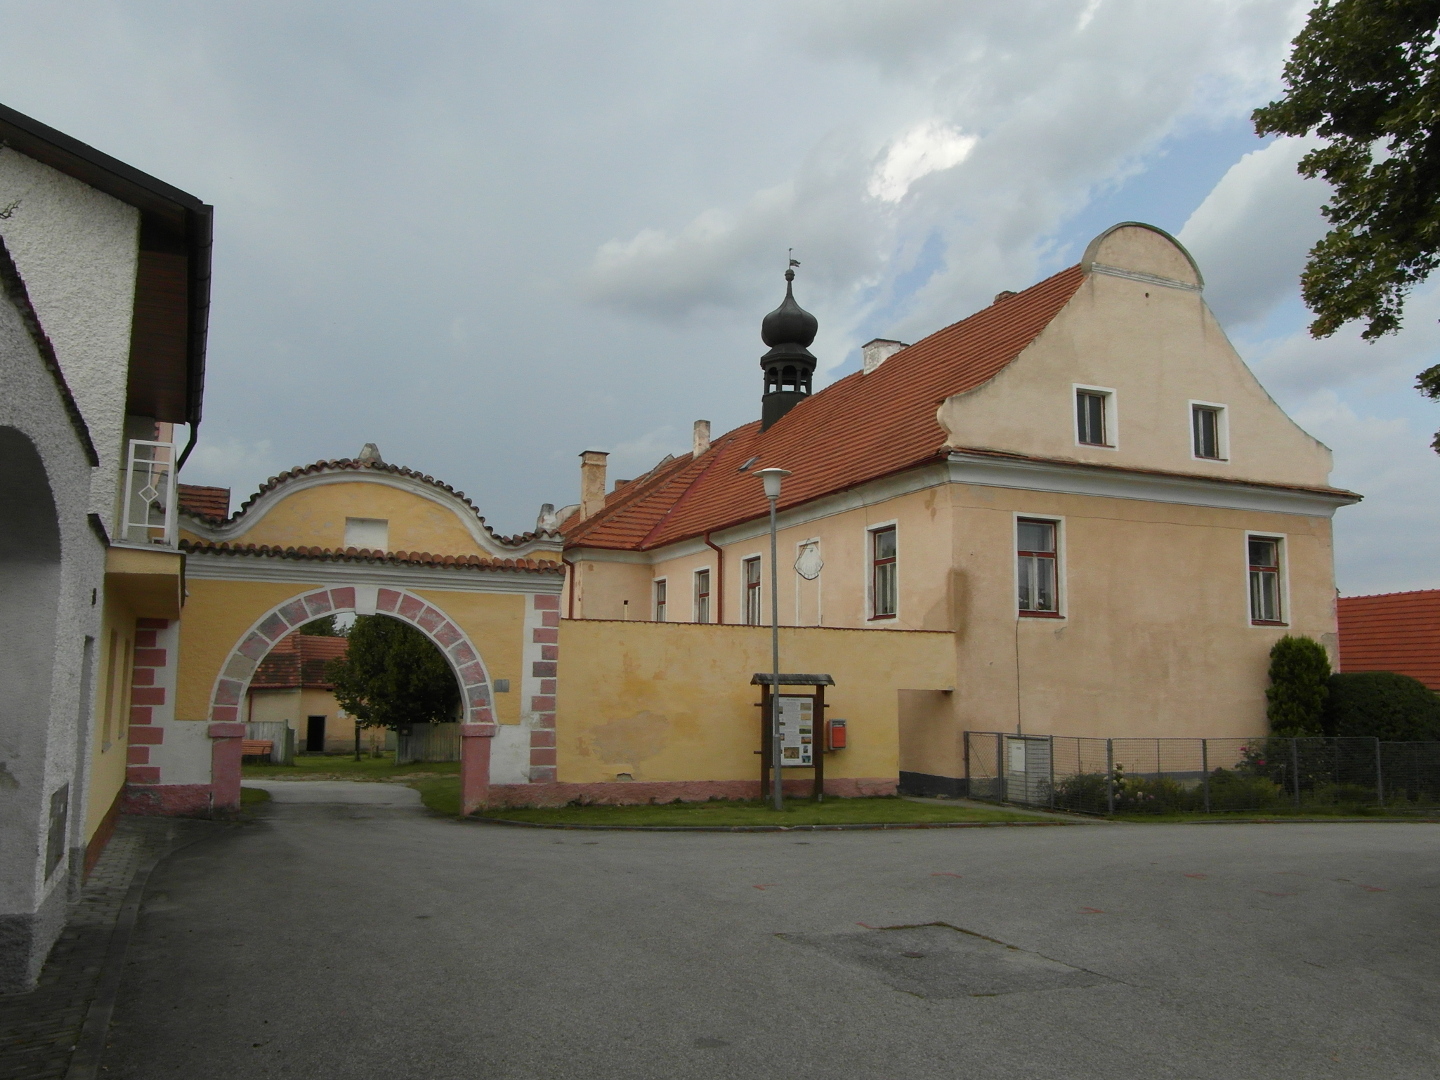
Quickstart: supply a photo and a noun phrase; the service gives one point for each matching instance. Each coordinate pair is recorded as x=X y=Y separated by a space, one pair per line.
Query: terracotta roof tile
x=299 y=660
x=211 y=503
x=358 y=555
x=860 y=428
x=1392 y=632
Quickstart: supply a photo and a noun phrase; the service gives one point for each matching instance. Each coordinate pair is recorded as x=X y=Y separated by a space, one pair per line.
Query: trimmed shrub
x=1382 y=705
x=1299 y=674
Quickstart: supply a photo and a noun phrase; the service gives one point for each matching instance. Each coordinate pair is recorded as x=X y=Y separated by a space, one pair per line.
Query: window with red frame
x=1037 y=568
x=883 y=582
x=1265 y=608
x=752 y=591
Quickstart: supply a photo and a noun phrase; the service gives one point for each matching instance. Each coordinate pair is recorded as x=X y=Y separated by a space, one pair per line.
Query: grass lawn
x=326 y=767
x=250 y=796
x=443 y=796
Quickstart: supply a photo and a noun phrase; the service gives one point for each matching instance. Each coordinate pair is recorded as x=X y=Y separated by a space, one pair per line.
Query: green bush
x=1299 y=674
x=1381 y=705
x=1237 y=791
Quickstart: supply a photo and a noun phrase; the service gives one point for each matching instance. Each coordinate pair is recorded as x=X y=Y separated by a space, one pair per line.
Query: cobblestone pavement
x=39 y=1030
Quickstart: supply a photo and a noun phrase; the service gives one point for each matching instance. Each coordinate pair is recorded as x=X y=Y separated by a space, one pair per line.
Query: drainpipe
x=194 y=435
x=719 y=580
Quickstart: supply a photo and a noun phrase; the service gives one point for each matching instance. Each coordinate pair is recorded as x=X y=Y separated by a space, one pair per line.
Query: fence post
x=1379 y=776
x=1000 y=763
x=1052 y=772
x=1110 y=776
x=966 y=737
x=1205 y=771
x=1295 y=767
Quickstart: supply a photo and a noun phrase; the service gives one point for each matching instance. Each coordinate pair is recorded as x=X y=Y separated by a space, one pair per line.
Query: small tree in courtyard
x=392 y=675
x=1299 y=684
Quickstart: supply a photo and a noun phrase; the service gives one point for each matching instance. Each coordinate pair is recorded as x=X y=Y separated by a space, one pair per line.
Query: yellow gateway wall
x=672 y=702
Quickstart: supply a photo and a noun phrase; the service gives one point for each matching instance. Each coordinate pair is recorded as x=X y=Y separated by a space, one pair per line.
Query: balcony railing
x=149 y=509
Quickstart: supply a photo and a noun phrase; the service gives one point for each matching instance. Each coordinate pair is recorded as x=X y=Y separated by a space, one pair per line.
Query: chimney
x=874 y=353
x=592 y=482
x=701 y=437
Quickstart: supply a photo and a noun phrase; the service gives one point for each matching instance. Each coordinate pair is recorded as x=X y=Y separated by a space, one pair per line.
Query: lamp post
x=771 y=479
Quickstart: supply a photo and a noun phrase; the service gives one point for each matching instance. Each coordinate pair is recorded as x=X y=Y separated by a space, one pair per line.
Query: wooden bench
x=256 y=748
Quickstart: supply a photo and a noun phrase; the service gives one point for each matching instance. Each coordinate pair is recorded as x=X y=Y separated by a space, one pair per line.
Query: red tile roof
x=212 y=503
x=858 y=429
x=1392 y=632
x=357 y=555
x=299 y=660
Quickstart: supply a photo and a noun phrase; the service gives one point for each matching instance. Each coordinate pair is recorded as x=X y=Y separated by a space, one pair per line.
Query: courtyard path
x=366 y=938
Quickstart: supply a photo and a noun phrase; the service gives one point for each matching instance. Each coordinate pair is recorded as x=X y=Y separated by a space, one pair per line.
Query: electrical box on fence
x=836 y=730
x=797 y=730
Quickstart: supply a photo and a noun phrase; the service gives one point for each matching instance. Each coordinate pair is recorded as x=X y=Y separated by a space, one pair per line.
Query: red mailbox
x=835 y=731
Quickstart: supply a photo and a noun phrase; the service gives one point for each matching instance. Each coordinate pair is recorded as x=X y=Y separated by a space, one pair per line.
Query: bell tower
x=789 y=365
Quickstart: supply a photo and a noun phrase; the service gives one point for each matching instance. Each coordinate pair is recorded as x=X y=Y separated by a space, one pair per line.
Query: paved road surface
x=366 y=939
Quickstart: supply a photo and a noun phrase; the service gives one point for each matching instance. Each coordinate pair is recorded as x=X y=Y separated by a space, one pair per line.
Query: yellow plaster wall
x=315 y=517
x=672 y=701
x=1157 y=639
x=112 y=684
x=1157 y=348
x=923 y=523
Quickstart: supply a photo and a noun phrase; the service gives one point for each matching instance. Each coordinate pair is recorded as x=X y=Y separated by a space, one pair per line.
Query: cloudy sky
x=487 y=236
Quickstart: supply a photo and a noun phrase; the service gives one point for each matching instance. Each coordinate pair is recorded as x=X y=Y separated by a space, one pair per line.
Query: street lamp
x=771 y=479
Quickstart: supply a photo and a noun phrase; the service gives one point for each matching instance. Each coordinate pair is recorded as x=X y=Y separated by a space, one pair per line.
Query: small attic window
x=747 y=464
x=371 y=533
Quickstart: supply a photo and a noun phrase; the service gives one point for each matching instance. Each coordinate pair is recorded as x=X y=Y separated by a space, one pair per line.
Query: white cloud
x=1389 y=542
x=926 y=148
x=1252 y=232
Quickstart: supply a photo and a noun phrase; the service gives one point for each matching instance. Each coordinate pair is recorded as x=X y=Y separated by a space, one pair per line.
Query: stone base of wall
x=640 y=792
x=168 y=800
x=103 y=832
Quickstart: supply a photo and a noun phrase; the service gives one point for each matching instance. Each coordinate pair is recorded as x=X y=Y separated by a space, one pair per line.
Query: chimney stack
x=874 y=353
x=701 y=438
x=592 y=482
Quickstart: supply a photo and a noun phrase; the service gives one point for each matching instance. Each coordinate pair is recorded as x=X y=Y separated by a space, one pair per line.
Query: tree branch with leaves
x=1365 y=77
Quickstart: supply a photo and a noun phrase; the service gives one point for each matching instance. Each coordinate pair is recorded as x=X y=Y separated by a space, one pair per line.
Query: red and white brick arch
x=227 y=729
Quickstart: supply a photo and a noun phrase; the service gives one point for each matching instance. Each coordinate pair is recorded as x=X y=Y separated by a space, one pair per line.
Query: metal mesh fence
x=1166 y=776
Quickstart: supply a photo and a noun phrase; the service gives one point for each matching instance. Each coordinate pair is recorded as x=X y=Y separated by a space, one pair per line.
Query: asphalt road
x=368 y=939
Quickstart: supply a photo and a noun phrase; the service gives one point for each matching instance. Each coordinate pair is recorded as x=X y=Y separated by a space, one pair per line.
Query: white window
x=660 y=600
x=1266 y=575
x=371 y=534
x=1208 y=434
x=884 y=581
x=1095 y=420
x=702 y=595
x=1037 y=567
x=751 y=579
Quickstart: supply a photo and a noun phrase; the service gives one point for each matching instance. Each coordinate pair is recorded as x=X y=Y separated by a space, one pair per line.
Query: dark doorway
x=314 y=734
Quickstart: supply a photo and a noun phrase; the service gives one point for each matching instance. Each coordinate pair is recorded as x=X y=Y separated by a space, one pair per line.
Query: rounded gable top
x=1138 y=248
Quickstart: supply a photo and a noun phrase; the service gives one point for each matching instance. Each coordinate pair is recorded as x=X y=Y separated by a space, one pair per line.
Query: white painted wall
x=77 y=249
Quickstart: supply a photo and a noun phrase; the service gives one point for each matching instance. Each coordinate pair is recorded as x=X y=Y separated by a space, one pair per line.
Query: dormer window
x=1095 y=416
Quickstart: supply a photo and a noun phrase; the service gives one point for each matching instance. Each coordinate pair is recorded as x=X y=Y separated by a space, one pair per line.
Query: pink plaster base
x=639 y=792
x=167 y=800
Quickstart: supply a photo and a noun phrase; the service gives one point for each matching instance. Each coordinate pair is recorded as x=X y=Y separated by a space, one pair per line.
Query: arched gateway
x=227 y=698
x=354 y=535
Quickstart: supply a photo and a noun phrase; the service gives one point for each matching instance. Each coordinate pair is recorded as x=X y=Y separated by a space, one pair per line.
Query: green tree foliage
x=1299 y=676
x=1365 y=76
x=393 y=675
x=1382 y=705
x=323 y=628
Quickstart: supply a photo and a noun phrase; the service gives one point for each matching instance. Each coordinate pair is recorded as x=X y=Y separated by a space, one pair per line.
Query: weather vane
x=790 y=254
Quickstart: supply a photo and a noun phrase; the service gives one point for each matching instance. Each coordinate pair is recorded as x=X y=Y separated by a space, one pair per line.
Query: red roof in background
x=858 y=429
x=206 y=502
x=1392 y=632
x=298 y=660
